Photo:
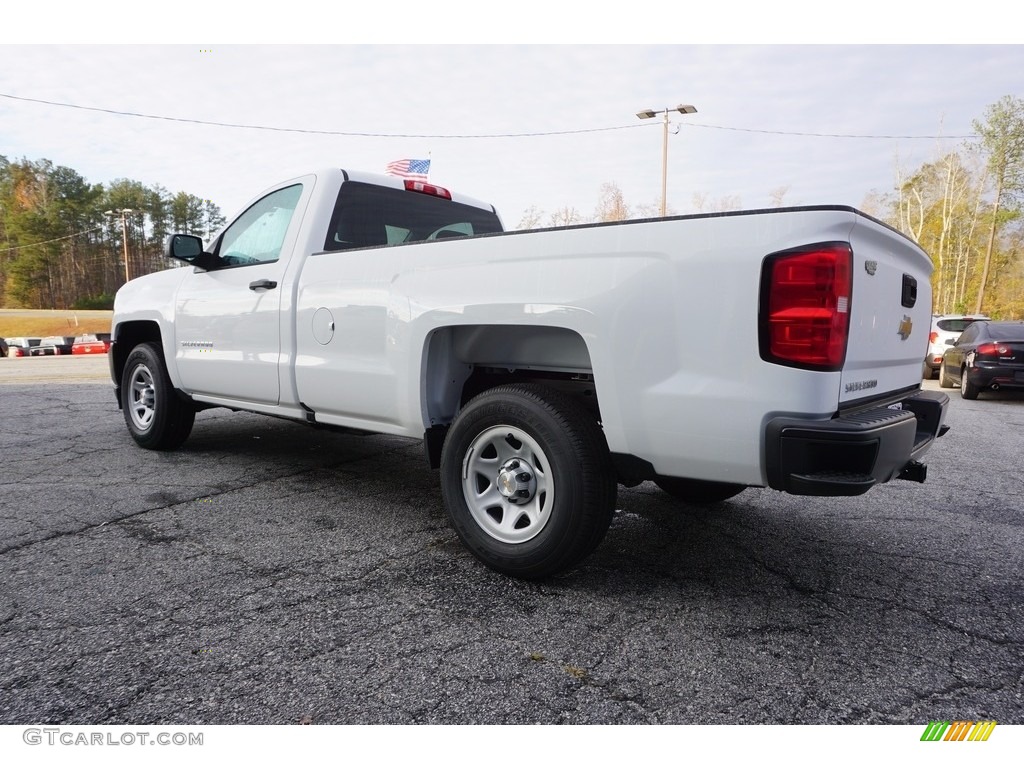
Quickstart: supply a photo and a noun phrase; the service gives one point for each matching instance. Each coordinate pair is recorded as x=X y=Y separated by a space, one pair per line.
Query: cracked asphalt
x=269 y=573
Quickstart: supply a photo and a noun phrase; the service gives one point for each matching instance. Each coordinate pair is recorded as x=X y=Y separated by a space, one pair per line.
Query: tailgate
x=890 y=313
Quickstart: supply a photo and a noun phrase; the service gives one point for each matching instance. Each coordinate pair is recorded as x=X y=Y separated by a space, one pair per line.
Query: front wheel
x=157 y=419
x=527 y=480
x=698 y=491
x=945 y=381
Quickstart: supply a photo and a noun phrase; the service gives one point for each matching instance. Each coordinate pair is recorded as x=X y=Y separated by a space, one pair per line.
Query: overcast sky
x=518 y=125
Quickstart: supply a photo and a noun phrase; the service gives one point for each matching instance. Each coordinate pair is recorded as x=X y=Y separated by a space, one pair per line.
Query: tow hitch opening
x=914 y=470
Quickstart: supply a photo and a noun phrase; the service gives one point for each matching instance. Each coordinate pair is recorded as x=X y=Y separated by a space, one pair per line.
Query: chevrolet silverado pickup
x=777 y=348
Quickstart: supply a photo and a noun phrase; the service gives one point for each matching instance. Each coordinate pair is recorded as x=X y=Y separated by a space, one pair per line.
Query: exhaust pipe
x=914 y=470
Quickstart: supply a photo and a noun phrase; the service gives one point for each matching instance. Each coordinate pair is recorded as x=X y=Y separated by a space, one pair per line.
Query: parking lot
x=269 y=573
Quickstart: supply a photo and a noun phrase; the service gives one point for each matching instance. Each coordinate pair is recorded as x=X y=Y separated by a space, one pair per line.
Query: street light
x=124 y=235
x=685 y=109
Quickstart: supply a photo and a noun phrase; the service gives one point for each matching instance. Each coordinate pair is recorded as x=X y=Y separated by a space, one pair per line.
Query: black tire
x=944 y=380
x=527 y=480
x=968 y=391
x=698 y=491
x=157 y=418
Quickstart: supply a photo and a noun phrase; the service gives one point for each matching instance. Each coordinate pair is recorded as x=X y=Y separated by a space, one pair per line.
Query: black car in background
x=988 y=355
x=945 y=331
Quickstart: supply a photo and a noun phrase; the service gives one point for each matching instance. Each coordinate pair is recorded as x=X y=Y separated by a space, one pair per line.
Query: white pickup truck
x=708 y=353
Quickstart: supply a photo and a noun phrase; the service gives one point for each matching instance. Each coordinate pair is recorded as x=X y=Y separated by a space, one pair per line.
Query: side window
x=257 y=235
x=968 y=336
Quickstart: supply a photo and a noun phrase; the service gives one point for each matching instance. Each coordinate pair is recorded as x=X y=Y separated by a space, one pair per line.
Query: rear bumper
x=848 y=454
x=995 y=376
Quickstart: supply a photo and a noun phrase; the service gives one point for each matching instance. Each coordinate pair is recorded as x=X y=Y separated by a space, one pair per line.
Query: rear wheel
x=527 y=480
x=156 y=418
x=698 y=491
x=968 y=391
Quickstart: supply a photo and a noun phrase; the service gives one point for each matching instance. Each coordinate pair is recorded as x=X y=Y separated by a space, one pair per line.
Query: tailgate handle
x=257 y=284
x=909 y=298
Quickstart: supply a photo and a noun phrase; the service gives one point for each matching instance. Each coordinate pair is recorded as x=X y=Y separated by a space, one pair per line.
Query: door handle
x=257 y=284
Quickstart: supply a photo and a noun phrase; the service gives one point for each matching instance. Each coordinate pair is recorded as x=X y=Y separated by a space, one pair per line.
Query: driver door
x=227 y=322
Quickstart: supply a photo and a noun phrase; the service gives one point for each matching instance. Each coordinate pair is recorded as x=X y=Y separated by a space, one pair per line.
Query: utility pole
x=124 y=235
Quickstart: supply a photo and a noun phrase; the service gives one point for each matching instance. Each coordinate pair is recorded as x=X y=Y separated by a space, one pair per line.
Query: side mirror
x=189 y=248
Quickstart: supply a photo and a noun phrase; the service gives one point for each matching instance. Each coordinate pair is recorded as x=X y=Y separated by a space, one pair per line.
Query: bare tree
x=565 y=216
x=1002 y=140
x=611 y=205
x=778 y=195
x=703 y=204
x=531 y=218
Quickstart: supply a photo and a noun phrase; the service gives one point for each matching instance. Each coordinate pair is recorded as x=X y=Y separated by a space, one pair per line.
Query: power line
x=366 y=134
x=362 y=134
x=822 y=135
x=47 y=242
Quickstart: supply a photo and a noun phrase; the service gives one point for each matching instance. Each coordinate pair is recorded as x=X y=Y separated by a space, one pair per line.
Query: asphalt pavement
x=271 y=573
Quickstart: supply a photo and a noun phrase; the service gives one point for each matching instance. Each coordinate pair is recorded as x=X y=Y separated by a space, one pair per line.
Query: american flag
x=409 y=169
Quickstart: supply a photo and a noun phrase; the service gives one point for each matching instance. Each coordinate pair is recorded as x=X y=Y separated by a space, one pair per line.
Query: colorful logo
x=958 y=730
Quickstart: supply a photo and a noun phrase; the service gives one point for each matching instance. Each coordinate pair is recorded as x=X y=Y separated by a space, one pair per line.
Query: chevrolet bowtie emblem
x=905 y=327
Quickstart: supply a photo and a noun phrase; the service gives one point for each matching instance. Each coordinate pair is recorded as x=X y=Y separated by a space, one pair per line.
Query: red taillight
x=995 y=350
x=805 y=306
x=933 y=337
x=428 y=189
x=17 y=352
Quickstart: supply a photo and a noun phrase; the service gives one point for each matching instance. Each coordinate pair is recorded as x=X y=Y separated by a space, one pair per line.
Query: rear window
x=367 y=215
x=1006 y=331
x=956 y=325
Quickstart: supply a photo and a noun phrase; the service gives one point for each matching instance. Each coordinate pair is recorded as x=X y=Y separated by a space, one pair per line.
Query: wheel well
x=462 y=361
x=130 y=335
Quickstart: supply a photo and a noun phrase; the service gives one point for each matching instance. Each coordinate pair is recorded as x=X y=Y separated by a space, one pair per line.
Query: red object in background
x=91 y=344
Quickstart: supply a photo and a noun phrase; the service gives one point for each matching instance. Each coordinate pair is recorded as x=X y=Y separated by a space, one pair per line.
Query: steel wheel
x=156 y=417
x=527 y=480
x=506 y=483
x=141 y=396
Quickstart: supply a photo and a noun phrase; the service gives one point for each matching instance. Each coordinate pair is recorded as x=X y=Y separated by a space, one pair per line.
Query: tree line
x=68 y=244
x=65 y=244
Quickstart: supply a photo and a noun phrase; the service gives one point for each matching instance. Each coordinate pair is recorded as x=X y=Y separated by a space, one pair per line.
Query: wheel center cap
x=517 y=481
